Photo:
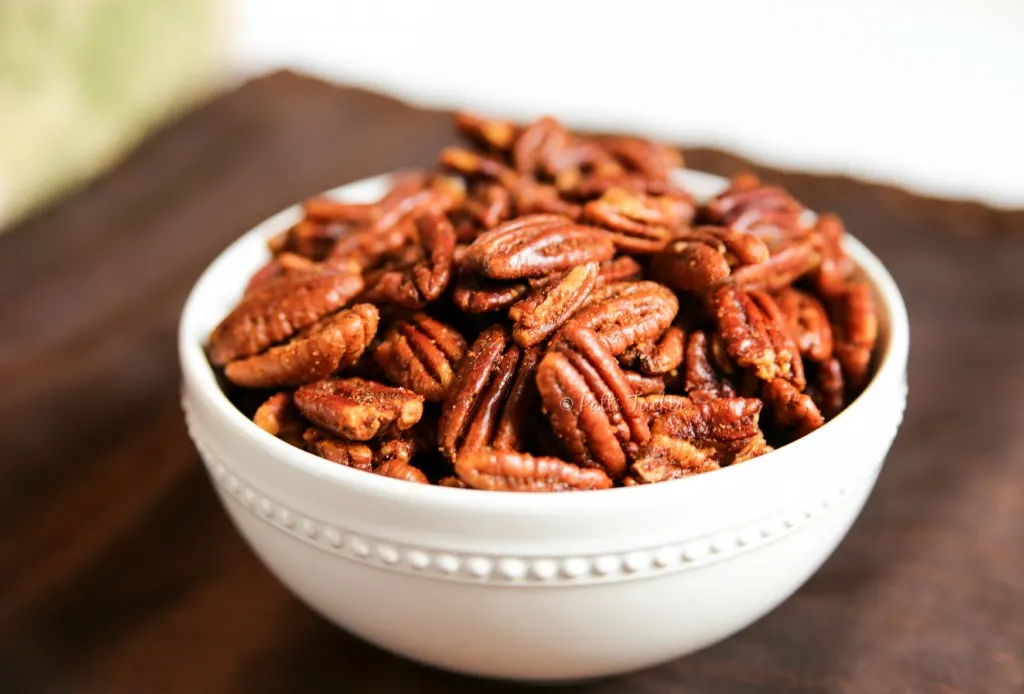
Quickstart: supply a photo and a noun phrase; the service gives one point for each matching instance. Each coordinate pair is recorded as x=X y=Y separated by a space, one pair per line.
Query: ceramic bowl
x=538 y=586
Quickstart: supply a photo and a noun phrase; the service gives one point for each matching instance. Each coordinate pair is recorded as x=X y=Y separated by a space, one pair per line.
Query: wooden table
x=119 y=572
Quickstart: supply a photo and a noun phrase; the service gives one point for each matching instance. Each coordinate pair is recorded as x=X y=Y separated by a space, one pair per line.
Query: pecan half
x=667 y=458
x=652 y=160
x=654 y=358
x=279 y=309
x=639 y=223
x=333 y=343
x=808 y=323
x=703 y=257
x=855 y=327
x=624 y=314
x=420 y=353
x=347 y=453
x=620 y=269
x=703 y=368
x=278 y=416
x=645 y=385
x=704 y=420
x=748 y=334
x=509 y=471
x=484 y=406
x=835 y=267
x=829 y=387
x=489 y=205
x=789 y=261
x=401 y=470
x=791 y=408
x=473 y=294
x=425 y=276
x=768 y=211
x=547 y=307
x=495 y=135
x=358 y=410
x=590 y=403
x=536 y=245
x=787 y=354
x=280 y=265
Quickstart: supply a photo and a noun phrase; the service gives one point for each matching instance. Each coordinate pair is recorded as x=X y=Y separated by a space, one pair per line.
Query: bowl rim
x=199 y=375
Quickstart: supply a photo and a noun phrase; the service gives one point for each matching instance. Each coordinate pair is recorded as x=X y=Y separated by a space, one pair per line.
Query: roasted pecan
x=420 y=353
x=747 y=333
x=509 y=471
x=495 y=135
x=473 y=294
x=278 y=309
x=808 y=323
x=701 y=258
x=325 y=209
x=547 y=307
x=791 y=408
x=704 y=420
x=333 y=343
x=657 y=357
x=639 y=223
x=489 y=205
x=624 y=314
x=426 y=276
x=453 y=481
x=703 y=369
x=486 y=401
x=787 y=354
x=476 y=165
x=521 y=405
x=348 y=453
x=546 y=149
x=621 y=269
x=401 y=470
x=829 y=387
x=652 y=160
x=747 y=205
x=278 y=416
x=855 y=327
x=590 y=403
x=531 y=197
x=667 y=458
x=281 y=264
x=835 y=267
x=645 y=385
x=357 y=409
x=790 y=260
x=536 y=245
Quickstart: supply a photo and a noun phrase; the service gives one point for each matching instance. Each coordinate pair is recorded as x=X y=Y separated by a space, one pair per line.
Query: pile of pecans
x=546 y=311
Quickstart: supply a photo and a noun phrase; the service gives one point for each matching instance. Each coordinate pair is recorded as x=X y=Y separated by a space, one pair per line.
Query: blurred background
x=924 y=94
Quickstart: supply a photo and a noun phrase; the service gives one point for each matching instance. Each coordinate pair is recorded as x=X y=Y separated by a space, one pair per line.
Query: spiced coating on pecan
x=357 y=409
x=619 y=332
x=421 y=354
x=536 y=245
x=546 y=308
x=331 y=344
x=279 y=417
x=590 y=402
x=278 y=309
x=348 y=453
x=624 y=314
x=855 y=330
x=509 y=471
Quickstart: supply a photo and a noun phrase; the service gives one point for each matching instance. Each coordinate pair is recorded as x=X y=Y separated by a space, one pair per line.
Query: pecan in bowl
x=418 y=392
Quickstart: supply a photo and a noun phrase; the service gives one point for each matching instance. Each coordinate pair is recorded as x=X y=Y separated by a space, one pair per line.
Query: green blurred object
x=81 y=81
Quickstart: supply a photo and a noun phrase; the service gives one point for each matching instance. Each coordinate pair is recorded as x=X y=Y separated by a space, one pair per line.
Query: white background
x=925 y=94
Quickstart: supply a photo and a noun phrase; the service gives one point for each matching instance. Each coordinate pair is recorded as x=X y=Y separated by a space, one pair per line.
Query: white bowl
x=538 y=586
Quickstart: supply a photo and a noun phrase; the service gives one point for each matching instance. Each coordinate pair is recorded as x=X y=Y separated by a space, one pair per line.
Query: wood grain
x=120 y=573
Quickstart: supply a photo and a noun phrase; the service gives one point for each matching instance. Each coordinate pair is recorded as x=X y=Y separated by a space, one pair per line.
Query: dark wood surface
x=119 y=572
